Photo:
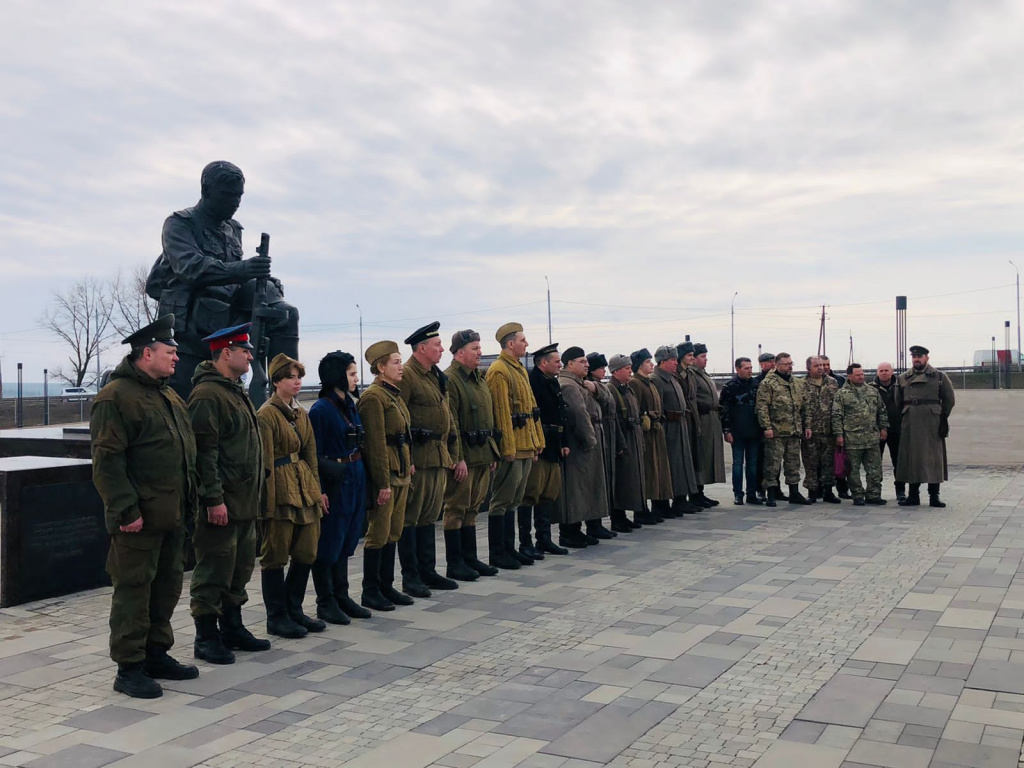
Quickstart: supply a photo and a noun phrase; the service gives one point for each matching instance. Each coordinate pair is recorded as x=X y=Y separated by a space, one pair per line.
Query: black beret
x=424 y=333
x=543 y=352
x=572 y=353
x=637 y=358
x=597 y=360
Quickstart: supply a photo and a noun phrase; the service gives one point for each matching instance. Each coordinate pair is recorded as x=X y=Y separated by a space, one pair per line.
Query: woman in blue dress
x=338 y=432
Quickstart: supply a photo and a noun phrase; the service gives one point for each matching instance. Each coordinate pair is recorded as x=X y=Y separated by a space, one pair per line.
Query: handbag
x=841 y=464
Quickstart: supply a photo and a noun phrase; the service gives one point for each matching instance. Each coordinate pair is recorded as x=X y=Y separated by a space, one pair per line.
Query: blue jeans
x=744 y=454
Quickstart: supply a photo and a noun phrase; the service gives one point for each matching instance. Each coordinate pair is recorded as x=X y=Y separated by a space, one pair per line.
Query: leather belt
x=924 y=401
x=284 y=461
x=351 y=459
x=673 y=415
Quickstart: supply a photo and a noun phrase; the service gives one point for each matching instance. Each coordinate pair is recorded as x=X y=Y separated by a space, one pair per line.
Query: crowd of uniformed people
x=573 y=441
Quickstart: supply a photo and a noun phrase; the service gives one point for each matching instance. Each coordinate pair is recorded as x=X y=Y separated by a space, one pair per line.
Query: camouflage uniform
x=819 y=452
x=858 y=416
x=780 y=408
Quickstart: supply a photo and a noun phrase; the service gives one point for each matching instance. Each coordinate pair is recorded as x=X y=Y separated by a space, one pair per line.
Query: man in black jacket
x=544 y=485
x=885 y=383
x=742 y=432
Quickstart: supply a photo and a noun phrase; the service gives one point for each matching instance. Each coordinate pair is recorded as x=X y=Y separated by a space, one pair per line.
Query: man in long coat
x=712 y=441
x=583 y=483
x=657 y=472
x=597 y=367
x=628 y=486
x=925 y=399
x=680 y=451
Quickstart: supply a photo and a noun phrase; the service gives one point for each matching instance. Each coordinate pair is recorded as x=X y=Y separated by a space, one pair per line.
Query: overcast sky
x=436 y=160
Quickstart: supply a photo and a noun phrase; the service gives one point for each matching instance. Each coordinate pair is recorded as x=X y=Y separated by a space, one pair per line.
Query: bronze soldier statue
x=202 y=277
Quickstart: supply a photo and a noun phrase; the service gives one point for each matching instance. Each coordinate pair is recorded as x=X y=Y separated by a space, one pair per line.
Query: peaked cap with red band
x=235 y=336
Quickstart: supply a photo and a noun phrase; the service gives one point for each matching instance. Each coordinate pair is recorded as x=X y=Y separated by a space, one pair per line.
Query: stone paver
x=820 y=636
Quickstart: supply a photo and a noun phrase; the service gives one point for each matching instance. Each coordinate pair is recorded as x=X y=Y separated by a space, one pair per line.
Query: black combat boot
x=235 y=635
x=408 y=555
x=426 y=555
x=132 y=681
x=542 y=524
x=372 y=596
x=295 y=590
x=208 y=645
x=387 y=576
x=276 y=602
x=708 y=503
x=496 y=544
x=769 y=497
x=681 y=506
x=858 y=501
x=457 y=568
x=597 y=530
x=753 y=498
x=524 y=516
x=469 y=552
x=327 y=607
x=879 y=502
x=913 y=497
x=901 y=490
x=619 y=522
x=508 y=528
x=828 y=496
x=634 y=523
x=571 y=535
x=658 y=509
x=160 y=666
x=780 y=495
x=844 y=488
x=339 y=576
x=795 y=497
x=933 y=496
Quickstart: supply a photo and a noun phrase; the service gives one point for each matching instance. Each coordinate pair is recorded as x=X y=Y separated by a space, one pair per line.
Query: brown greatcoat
x=289 y=448
x=657 y=472
x=712 y=443
x=628 y=490
x=583 y=484
x=612 y=440
x=923 y=400
x=680 y=452
x=688 y=382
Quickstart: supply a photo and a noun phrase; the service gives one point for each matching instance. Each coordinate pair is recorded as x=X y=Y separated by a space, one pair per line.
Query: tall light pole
x=549 y=307
x=732 y=327
x=362 y=380
x=1018 y=315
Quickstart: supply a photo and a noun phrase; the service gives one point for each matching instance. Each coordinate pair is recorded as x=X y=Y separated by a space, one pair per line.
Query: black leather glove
x=251 y=269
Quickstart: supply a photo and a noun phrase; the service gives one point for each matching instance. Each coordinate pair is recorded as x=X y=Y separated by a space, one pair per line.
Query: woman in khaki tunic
x=389 y=470
x=292 y=505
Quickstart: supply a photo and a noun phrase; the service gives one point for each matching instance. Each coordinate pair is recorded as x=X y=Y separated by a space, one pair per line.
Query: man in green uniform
x=231 y=473
x=818 y=453
x=144 y=468
x=474 y=454
x=859 y=422
x=924 y=397
x=781 y=414
x=425 y=392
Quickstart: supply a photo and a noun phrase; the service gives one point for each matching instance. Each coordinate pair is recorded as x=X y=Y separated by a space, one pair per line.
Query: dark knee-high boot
x=496 y=544
x=454 y=557
x=408 y=555
x=372 y=597
x=327 y=607
x=295 y=586
x=275 y=600
x=933 y=496
x=469 y=552
x=387 y=576
x=339 y=576
x=426 y=555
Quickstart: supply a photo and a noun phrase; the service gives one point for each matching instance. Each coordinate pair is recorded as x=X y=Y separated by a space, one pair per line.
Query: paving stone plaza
x=819 y=636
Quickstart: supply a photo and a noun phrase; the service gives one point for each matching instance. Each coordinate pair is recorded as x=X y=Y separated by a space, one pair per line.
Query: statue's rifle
x=259 y=385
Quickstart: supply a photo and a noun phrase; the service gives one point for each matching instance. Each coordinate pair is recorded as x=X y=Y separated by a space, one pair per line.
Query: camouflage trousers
x=782 y=453
x=871 y=460
x=146 y=569
x=225 y=559
x=818 y=455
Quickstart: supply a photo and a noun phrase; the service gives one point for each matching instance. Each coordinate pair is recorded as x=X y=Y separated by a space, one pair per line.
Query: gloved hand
x=251 y=269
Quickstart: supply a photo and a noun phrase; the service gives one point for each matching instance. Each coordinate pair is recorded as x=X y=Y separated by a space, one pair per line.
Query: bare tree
x=81 y=318
x=131 y=308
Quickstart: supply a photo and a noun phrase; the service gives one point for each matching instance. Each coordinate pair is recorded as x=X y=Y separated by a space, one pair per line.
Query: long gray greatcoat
x=628 y=490
x=680 y=453
x=712 y=443
x=583 y=485
x=922 y=457
x=657 y=473
x=610 y=429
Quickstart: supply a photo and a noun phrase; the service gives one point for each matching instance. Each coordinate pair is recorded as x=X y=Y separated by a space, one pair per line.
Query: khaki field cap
x=380 y=350
x=506 y=329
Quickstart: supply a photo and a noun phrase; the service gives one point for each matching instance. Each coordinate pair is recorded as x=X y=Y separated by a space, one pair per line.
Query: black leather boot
x=524 y=517
x=426 y=555
x=235 y=635
x=408 y=555
x=901 y=490
x=542 y=524
x=496 y=544
x=708 y=503
x=844 y=488
x=457 y=568
x=327 y=607
x=469 y=552
x=208 y=645
x=339 y=576
x=828 y=496
x=132 y=681
x=571 y=535
x=913 y=497
x=295 y=591
x=276 y=602
x=159 y=665
x=387 y=576
x=933 y=496
x=769 y=498
x=596 y=529
x=372 y=596
x=795 y=497
x=509 y=538
x=753 y=498
x=619 y=522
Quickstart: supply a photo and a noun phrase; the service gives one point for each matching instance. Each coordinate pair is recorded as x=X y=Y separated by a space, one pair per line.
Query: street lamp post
x=732 y=327
x=1018 y=315
x=362 y=380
